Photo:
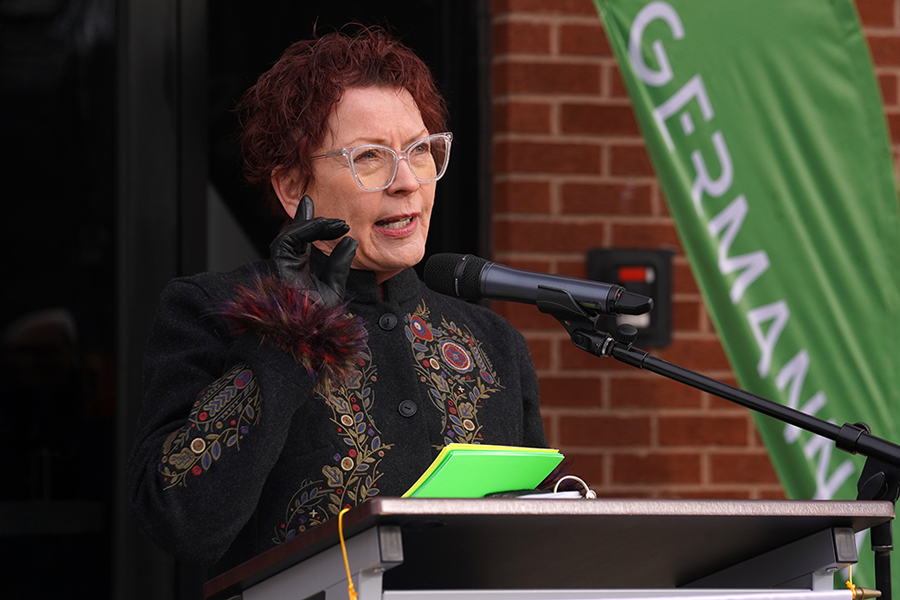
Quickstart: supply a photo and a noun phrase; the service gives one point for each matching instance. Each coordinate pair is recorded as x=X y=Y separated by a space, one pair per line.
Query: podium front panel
x=501 y=543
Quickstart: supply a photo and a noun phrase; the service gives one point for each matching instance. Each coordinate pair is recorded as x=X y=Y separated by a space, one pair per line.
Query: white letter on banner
x=778 y=313
x=754 y=264
x=703 y=183
x=694 y=88
x=651 y=12
x=794 y=372
x=826 y=487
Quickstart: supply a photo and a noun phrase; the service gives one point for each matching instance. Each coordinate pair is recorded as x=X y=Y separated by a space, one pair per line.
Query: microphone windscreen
x=455 y=275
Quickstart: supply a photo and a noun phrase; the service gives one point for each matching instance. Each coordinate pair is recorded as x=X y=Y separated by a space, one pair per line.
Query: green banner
x=764 y=124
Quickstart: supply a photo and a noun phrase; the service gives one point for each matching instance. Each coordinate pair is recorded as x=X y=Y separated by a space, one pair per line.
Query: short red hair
x=284 y=116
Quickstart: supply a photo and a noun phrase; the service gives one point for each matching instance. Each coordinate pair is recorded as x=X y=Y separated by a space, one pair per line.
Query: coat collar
x=362 y=288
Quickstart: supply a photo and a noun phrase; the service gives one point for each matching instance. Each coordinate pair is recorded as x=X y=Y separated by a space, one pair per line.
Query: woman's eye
x=369 y=154
x=421 y=148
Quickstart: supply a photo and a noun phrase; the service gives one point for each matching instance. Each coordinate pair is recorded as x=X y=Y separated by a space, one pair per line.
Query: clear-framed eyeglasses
x=375 y=167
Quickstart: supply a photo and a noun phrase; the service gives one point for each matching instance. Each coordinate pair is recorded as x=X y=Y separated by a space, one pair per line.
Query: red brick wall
x=572 y=173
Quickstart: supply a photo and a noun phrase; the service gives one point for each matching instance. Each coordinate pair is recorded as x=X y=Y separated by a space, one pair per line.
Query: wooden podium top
x=564 y=543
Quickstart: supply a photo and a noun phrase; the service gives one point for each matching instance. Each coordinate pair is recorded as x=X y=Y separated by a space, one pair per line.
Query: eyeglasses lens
x=375 y=166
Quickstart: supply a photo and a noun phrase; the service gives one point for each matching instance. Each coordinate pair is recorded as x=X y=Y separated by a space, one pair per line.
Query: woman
x=284 y=391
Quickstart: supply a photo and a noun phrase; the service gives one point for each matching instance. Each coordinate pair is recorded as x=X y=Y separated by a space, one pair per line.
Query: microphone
x=472 y=278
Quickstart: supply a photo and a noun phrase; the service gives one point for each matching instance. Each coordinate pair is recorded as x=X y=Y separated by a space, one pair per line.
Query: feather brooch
x=324 y=341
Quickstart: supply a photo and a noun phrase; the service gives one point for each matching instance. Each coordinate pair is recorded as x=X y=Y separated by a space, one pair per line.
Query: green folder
x=474 y=471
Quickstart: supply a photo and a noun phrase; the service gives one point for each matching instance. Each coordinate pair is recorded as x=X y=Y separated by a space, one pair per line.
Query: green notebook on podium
x=474 y=471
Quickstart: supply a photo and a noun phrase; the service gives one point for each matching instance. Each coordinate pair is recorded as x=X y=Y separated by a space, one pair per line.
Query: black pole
x=880 y=479
x=852 y=438
x=882 y=544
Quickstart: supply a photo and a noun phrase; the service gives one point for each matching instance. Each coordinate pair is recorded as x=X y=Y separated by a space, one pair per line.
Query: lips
x=395 y=223
x=398 y=227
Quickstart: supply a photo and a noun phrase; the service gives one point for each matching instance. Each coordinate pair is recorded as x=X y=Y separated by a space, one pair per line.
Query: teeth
x=395 y=224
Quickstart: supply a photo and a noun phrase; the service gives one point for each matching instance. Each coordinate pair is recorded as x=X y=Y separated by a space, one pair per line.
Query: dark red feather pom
x=324 y=341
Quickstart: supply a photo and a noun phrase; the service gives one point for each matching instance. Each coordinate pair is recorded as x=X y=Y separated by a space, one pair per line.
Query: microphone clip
x=580 y=324
x=559 y=304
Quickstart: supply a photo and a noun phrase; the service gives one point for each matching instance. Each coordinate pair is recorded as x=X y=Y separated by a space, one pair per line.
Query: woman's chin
x=391 y=261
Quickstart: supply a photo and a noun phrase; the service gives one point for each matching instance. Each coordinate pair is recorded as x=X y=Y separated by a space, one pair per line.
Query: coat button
x=407 y=408
x=387 y=321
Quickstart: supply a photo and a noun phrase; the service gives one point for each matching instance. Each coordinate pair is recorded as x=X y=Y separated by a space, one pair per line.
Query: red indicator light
x=632 y=274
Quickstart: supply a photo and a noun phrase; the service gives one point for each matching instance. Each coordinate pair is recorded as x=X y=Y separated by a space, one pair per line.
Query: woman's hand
x=291 y=250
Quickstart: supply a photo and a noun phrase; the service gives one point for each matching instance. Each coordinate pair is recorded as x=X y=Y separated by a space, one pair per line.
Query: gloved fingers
x=311 y=228
x=319 y=228
x=292 y=239
x=332 y=229
x=291 y=248
x=335 y=275
x=305 y=209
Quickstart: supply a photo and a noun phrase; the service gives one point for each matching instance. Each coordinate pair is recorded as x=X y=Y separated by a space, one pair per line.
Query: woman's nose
x=404 y=180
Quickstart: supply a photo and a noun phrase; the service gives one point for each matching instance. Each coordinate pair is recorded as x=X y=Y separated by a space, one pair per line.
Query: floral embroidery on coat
x=304 y=510
x=221 y=416
x=353 y=475
x=451 y=362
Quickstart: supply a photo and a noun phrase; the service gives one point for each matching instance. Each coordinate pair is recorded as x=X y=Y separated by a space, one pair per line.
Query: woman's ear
x=286 y=188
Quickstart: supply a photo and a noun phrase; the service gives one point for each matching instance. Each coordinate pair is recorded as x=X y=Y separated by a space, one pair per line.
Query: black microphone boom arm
x=880 y=478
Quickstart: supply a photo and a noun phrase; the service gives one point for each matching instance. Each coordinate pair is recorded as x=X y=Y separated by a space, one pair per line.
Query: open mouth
x=394 y=223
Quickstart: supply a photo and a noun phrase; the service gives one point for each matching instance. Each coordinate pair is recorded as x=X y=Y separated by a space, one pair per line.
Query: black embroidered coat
x=239 y=448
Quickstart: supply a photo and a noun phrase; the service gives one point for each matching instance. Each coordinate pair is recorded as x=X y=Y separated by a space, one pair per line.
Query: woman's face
x=391 y=225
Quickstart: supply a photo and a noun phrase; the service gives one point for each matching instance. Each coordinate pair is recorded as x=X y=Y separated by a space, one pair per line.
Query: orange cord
x=350 y=589
x=849 y=583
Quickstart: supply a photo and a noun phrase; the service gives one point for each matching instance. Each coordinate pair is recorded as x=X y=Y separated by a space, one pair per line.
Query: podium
x=500 y=548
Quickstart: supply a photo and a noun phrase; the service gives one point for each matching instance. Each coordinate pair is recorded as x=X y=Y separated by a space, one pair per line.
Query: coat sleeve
x=216 y=412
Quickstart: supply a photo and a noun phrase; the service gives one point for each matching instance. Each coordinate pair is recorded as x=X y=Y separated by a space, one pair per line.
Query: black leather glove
x=291 y=250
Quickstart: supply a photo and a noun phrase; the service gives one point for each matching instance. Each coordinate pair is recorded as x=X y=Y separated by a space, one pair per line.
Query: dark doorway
x=57 y=317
